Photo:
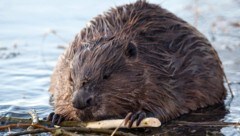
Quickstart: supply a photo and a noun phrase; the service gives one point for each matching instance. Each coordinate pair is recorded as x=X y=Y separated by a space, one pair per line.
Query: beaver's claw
x=55 y=119
x=131 y=117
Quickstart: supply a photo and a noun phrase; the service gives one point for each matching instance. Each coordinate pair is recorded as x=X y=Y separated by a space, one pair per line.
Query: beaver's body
x=137 y=58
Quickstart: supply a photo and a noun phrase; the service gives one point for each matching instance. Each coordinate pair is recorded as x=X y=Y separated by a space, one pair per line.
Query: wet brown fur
x=175 y=70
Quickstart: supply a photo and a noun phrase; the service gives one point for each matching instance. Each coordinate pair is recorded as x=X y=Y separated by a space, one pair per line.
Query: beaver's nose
x=81 y=100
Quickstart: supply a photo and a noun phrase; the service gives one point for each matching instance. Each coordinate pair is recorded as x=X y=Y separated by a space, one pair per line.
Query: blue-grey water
x=33 y=32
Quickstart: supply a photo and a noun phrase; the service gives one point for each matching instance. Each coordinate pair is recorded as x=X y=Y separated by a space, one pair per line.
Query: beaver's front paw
x=131 y=117
x=55 y=119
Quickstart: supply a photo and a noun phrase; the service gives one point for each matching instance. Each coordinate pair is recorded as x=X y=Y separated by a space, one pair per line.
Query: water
x=29 y=49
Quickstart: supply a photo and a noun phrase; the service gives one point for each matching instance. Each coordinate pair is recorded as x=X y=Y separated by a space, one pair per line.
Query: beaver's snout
x=81 y=99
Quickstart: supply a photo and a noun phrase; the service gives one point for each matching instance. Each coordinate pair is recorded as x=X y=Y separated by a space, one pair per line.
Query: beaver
x=140 y=59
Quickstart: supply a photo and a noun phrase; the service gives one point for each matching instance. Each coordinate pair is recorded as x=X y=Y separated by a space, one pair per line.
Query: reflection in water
x=28 y=52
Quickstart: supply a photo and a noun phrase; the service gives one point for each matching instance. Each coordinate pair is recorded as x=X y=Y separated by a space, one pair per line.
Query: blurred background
x=34 y=33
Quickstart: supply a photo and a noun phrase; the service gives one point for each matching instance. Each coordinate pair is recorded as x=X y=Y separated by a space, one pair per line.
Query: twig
x=54 y=32
x=20 y=125
x=13 y=120
x=196 y=17
x=35 y=131
x=45 y=35
x=115 y=130
x=234 y=82
x=54 y=131
x=34 y=116
x=211 y=123
x=228 y=84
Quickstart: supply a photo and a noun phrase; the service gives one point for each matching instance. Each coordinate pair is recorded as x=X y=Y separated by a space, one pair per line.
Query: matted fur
x=175 y=68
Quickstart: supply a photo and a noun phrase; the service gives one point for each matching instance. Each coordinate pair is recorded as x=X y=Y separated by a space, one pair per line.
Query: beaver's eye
x=131 y=51
x=83 y=83
x=106 y=76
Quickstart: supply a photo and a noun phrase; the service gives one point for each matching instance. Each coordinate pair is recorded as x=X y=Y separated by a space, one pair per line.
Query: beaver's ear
x=131 y=51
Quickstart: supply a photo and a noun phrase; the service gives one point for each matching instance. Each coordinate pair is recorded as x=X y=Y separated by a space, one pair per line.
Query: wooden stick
x=107 y=124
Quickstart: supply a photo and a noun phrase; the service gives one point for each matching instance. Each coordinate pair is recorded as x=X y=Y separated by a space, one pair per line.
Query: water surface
x=32 y=32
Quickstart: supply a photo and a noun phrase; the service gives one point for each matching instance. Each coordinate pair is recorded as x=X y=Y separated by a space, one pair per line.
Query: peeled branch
x=108 y=124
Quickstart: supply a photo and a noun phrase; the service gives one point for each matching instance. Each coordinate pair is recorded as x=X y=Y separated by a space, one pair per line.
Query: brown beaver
x=137 y=58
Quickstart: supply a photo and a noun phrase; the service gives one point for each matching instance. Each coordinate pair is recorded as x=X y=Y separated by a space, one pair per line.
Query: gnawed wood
x=107 y=124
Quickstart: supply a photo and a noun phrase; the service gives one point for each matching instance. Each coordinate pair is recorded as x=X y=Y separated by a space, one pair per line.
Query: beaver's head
x=120 y=60
x=107 y=77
